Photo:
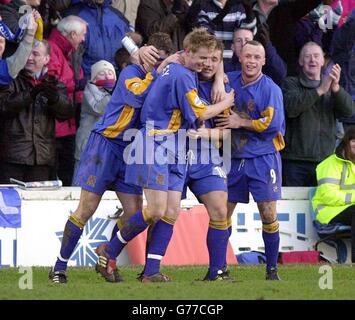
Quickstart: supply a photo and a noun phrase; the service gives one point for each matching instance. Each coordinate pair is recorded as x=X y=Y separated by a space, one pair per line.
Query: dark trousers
x=64 y=160
x=299 y=173
x=23 y=172
x=347 y=217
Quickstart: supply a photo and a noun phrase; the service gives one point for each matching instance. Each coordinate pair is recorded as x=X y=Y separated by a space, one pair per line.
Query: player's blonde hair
x=199 y=38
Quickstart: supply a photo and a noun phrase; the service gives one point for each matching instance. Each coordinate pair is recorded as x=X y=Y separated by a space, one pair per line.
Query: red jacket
x=59 y=66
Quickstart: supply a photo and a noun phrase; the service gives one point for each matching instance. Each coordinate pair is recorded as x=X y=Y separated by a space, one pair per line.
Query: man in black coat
x=28 y=109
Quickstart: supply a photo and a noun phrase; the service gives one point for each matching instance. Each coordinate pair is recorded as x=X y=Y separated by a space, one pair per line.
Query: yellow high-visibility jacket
x=336 y=188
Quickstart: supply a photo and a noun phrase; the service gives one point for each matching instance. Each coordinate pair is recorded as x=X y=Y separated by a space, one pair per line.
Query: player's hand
x=148 y=55
x=232 y=121
x=201 y=133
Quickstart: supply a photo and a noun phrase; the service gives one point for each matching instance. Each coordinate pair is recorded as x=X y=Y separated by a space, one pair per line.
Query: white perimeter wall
x=44 y=214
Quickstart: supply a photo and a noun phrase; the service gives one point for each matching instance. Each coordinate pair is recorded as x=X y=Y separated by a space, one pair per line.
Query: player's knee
x=173 y=212
x=268 y=217
x=148 y=217
x=155 y=218
x=84 y=213
x=219 y=215
x=218 y=212
x=156 y=215
x=136 y=204
x=267 y=211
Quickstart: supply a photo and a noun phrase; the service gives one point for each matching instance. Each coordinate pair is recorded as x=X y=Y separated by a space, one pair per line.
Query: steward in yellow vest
x=334 y=200
x=336 y=181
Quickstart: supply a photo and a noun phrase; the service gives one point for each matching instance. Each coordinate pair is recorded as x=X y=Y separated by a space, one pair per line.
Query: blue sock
x=114 y=231
x=159 y=241
x=134 y=226
x=217 y=242
x=229 y=234
x=71 y=235
x=271 y=237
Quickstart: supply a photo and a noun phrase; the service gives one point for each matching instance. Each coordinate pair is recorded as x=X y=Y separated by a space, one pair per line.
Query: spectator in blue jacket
x=106 y=29
x=274 y=67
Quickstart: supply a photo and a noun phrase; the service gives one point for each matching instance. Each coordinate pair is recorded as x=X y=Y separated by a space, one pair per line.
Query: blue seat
x=332 y=233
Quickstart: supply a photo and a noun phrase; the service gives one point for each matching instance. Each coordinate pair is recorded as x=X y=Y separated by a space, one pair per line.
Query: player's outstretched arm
x=219 y=107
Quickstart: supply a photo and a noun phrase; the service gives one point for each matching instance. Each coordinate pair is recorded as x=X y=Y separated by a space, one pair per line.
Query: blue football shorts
x=261 y=176
x=102 y=167
x=204 y=178
x=152 y=172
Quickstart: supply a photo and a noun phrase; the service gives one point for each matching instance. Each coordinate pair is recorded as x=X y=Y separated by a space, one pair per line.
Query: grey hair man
x=65 y=40
x=313 y=102
x=74 y=29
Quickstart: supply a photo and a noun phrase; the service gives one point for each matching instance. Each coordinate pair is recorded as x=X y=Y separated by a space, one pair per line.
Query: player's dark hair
x=161 y=41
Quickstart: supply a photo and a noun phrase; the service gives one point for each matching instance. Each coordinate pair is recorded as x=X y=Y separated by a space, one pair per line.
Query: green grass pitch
x=299 y=282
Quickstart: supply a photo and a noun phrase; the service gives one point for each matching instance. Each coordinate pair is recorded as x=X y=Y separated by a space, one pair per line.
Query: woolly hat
x=100 y=66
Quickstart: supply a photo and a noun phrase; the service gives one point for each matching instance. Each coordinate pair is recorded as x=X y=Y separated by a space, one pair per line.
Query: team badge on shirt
x=91 y=181
x=160 y=179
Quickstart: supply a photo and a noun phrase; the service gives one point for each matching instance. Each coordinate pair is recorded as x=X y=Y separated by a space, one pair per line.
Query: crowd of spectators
x=68 y=77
